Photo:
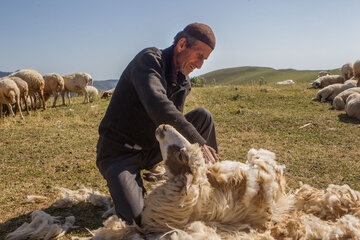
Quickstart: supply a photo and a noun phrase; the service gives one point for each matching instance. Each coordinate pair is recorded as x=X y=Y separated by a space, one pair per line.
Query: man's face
x=190 y=58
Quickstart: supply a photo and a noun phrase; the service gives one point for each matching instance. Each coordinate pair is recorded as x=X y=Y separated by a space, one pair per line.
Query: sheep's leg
x=26 y=105
x=41 y=92
x=86 y=99
x=10 y=109
x=68 y=95
x=18 y=106
x=55 y=98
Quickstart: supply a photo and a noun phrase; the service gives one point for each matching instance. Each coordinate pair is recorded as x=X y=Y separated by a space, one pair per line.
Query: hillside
x=254 y=75
x=3 y=74
x=56 y=147
x=105 y=84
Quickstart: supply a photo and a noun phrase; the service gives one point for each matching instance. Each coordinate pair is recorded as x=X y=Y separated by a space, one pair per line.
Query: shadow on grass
x=86 y=216
x=346 y=119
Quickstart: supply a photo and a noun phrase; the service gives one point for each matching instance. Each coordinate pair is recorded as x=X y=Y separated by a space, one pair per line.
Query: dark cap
x=202 y=33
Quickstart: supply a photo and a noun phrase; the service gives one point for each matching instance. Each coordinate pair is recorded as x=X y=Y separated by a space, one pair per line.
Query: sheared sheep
x=340 y=100
x=230 y=196
x=35 y=83
x=330 y=92
x=107 y=93
x=347 y=70
x=352 y=107
x=54 y=84
x=9 y=94
x=327 y=80
x=76 y=82
x=24 y=90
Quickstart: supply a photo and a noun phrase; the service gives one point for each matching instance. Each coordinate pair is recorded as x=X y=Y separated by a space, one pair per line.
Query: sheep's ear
x=187 y=179
x=184 y=156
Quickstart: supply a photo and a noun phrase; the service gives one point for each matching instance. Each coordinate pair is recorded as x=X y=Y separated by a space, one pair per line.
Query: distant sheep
x=35 y=83
x=330 y=92
x=92 y=92
x=347 y=70
x=340 y=100
x=327 y=80
x=107 y=93
x=351 y=81
x=24 y=90
x=352 y=107
x=54 y=84
x=323 y=73
x=76 y=82
x=9 y=94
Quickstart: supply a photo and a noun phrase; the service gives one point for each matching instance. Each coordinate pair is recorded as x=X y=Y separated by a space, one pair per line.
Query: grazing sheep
x=347 y=70
x=24 y=90
x=352 y=107
x=327 y=80
x=76 y=82
x=330 y=92
x=54 y=84
x=107 y=93
x=9 y=94
x=35 y=83
x=92 y=92
x=340 y=100
x=323 y=73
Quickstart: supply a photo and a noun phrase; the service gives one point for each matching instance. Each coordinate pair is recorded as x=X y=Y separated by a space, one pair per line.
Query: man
x=152 y=91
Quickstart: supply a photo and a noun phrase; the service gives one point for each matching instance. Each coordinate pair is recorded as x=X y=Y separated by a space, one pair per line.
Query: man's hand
x=210 y=154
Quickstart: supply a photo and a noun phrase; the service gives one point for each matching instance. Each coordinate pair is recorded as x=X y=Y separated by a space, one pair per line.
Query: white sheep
x=54 y=84
x=352 y=107
x=35 y=83
x=351 y=81
x=330 y=92
x=323 y=73
x=340 y=100
x=107 y=93
x=24 y=90
x=76 y=82
x=347 y=70
x=9 y=94
x=327 y=80
x=92 y=92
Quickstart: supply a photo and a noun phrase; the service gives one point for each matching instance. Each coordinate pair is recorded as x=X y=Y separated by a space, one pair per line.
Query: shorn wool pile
x=233 y=200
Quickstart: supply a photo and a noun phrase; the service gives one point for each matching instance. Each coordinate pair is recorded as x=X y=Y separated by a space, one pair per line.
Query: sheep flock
x=31 y=86
x=337 y=89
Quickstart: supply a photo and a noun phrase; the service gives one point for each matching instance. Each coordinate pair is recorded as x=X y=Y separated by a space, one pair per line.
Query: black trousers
x=123 y=172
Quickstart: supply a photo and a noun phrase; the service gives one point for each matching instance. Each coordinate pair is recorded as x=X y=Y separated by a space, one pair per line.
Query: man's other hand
x=210 y=154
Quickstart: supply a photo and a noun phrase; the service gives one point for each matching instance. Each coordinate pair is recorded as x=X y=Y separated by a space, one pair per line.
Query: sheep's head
x=316 y=84
x=181 y=159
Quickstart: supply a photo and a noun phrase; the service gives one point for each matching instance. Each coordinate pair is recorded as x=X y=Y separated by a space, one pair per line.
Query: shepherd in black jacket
x=152 y=91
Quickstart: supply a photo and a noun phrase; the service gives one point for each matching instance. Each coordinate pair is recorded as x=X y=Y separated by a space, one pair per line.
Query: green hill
x=255 y=75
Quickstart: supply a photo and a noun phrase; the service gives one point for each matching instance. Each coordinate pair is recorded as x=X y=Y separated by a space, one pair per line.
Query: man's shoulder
x=152 y=51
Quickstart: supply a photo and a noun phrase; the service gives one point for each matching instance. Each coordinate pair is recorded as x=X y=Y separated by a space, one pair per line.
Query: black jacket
x=150 y=92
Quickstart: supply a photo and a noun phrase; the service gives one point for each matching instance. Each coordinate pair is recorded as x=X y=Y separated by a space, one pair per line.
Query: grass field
x=56 y=147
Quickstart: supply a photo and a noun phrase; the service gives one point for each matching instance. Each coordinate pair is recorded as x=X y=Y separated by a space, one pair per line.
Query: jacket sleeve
x=148 y=81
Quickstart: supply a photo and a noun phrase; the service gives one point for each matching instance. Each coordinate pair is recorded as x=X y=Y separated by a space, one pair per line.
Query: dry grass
x=56 y=147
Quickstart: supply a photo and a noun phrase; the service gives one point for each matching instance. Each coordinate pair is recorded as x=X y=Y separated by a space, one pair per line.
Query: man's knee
x=201 y=114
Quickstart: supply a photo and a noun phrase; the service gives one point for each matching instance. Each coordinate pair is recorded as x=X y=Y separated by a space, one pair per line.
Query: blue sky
x=101 y=37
